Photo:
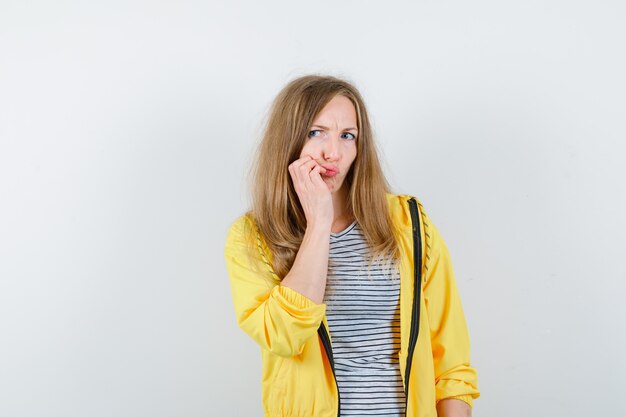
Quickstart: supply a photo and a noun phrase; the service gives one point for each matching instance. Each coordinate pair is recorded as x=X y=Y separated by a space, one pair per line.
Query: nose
x=331 y=148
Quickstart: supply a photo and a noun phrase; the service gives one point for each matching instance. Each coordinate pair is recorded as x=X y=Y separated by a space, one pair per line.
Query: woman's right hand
x=314 y=195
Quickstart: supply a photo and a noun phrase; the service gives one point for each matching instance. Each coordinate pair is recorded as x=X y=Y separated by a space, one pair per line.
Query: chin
x=333 y=187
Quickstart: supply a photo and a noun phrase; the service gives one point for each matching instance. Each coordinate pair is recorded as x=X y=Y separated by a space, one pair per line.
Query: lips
x=331 y=170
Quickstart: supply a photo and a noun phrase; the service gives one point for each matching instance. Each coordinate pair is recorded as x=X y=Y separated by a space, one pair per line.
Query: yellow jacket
x=292 y=331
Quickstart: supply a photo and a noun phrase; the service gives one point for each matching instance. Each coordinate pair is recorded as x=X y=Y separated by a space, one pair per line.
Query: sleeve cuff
x=299 y=301
x=465 y=398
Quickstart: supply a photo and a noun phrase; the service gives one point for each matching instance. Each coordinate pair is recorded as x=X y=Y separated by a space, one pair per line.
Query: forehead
x=338 y=109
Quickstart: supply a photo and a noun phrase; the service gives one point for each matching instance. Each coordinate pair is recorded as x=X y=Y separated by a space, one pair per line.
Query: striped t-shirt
x=363 y=315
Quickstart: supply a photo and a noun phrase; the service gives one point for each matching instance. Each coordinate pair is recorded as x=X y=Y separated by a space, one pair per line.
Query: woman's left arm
x=456 y=381
x=451 y=407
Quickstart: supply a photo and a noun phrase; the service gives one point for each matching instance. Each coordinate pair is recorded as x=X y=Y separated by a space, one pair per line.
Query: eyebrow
x=327 y=128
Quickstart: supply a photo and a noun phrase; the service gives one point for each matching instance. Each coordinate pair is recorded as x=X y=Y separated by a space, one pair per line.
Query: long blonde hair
x=276 y=211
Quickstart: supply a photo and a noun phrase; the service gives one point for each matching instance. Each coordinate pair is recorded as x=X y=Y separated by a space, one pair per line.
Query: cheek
x=312 y=149
x=352 y=154
x=307 y=149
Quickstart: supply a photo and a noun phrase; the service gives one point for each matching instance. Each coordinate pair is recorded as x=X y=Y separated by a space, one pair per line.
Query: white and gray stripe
x=363 y=315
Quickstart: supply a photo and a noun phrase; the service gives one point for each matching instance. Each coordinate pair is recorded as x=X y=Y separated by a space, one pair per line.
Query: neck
x=340 y=205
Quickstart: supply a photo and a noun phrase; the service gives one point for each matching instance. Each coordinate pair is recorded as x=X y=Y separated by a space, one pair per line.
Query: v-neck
x=344 y=231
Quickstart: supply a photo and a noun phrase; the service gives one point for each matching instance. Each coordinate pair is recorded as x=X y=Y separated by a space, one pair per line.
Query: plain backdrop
x=126 y=130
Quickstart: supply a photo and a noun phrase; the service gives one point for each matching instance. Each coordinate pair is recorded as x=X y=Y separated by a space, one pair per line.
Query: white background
x=126 y=129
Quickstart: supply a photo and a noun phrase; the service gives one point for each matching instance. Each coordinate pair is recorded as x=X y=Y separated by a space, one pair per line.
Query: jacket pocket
x=277 y=384
x=278 y=381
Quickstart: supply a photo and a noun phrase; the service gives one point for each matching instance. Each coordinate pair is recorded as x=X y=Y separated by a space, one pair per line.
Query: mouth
x=331 y=170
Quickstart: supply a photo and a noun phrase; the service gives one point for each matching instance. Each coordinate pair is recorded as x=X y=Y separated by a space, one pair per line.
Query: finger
x=300 y=173
x=316 y=177
x=304 y=170
x=297 y=164
x=308 y=165
x=300 y=161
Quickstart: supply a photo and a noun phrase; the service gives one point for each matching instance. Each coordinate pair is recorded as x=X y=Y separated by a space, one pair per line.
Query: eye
x=311 y=133
x=353 y=137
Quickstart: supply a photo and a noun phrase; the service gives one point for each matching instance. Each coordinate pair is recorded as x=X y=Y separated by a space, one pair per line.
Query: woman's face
x=331 y=140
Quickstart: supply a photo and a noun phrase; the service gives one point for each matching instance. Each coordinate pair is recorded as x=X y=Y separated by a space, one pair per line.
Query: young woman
x=347 y=288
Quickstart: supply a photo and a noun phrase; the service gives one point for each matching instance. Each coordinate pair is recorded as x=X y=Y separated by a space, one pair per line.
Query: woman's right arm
x=277 y=317
x=308 y=273
x=282 y=316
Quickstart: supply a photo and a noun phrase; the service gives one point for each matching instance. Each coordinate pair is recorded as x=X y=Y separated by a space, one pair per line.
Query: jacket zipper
x=329 y=352
x=417 y=283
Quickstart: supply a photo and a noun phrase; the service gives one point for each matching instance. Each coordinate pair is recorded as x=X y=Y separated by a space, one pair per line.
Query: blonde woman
x=347 y=288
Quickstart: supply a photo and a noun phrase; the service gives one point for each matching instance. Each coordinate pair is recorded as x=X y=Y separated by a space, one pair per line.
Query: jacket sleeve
x=276 y=317
x=454 y=376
